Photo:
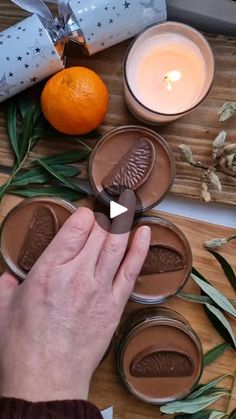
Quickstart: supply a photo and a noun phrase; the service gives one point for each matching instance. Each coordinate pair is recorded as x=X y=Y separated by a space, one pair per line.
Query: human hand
x=56 y=326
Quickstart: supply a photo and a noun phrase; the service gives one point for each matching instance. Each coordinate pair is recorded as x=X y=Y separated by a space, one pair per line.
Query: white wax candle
x=167 y=73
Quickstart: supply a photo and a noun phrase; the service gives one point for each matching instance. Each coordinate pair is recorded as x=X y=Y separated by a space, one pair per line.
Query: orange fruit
x=75 y=101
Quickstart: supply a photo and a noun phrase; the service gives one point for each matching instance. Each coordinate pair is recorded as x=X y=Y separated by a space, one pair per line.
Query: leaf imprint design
x=163 y=258
x=153 y=362
x=42 y=229
x=133 y=169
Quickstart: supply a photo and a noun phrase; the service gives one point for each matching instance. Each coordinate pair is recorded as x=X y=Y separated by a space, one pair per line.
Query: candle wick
x=171 y=77
x=168 y=81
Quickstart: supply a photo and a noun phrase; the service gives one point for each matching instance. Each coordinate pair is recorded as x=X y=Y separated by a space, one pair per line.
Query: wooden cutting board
x=106 y=388
x=197 y=129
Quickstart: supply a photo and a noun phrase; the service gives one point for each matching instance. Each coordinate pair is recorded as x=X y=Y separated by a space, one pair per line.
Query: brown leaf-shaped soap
x=133 y=169
x=42 y=229
x=162 y=258
x=155 y=362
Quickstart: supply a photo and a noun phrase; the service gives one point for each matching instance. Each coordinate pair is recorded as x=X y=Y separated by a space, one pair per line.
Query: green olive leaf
x=203 y=414
x=229 y=273
x=33 y=176
x=214 y=353
x=67 y=171
x=215 y=295
x=57 y=175
x=67 y=158
x=12 y=127
x=48 y=190
x=217 y=415
x=216 y=390
x=199 y=275
x=201 y=299
x=233 y=414
x=221 y=323
x=190 y=406
x=203 y=388
x=41 y=176
x=25 y=138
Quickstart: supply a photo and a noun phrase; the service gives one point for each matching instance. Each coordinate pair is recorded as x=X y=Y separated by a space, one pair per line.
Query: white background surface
x=108 y=413
x=220 y=214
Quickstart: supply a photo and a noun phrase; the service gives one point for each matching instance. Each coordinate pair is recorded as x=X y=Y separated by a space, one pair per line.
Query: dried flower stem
x=199 y=165
x=231 y=238
x=218 y=242
x=223 y=160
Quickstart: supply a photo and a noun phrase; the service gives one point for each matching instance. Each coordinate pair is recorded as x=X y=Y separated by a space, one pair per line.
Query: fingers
x=95 y=242
x=115 y=246
x=123 y=223
x=71 y=238
x=8 y=282
x=132 y=265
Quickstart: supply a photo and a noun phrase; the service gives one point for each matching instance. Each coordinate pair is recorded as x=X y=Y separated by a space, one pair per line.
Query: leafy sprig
x=201 y=397
x=216 y=305
x=215 y=302
x=32 y=175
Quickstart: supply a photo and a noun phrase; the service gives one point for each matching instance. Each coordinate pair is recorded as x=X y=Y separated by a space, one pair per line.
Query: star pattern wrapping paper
x=106 y=23
x=27 y=56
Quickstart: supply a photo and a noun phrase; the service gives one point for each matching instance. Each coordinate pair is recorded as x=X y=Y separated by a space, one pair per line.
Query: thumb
x=8 y=283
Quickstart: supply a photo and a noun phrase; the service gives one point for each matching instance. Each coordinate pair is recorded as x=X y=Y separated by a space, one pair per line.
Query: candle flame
x=172 y=77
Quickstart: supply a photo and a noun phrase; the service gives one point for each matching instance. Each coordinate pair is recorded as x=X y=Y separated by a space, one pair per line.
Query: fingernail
x=145 y=232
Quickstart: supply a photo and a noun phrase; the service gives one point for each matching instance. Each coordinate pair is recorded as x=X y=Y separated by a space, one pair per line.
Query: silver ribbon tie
x=96 y=24
x=64 y=26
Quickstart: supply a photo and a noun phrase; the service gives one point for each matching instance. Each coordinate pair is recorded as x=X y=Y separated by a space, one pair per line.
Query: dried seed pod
x=205 y=194
x=204 y=187
x=231 y=171
x=229 y=149
x=227 y=110
x=218 y=143
x=215 y=244
x=230 y=160
x=215 y=181
x=186 y=154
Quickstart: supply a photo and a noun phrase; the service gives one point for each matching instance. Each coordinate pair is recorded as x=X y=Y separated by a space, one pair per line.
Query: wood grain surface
x=197 y=129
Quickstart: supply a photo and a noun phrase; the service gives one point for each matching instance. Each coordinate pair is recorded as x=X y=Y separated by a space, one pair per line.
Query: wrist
x=36 y=389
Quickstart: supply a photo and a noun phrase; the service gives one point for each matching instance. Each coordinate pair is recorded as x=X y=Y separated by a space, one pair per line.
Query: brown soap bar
x=42 y=229
x=162 y=258
x=155 y=362
x=133 y=169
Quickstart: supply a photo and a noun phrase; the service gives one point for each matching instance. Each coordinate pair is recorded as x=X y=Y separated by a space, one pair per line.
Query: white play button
x=116 y=209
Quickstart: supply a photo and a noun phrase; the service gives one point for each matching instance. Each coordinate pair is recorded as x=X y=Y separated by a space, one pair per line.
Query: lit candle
x=169 y=70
